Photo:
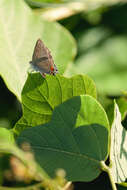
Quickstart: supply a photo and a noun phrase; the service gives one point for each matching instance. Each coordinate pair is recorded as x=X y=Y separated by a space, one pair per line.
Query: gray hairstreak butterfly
x=42 y=60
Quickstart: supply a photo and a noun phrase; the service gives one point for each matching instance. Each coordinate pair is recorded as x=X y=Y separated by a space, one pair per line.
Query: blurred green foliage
x=101 y=36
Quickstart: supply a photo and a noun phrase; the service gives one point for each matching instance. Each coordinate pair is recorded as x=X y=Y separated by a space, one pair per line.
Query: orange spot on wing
x=52 y=68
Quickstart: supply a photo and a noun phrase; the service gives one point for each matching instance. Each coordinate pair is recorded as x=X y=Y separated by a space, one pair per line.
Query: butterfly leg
x=43 y=75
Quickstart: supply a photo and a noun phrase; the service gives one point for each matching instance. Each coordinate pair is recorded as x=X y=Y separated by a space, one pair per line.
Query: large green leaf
x=76 y=139
x=118 y=152
x=19 y=30
x=40 y=96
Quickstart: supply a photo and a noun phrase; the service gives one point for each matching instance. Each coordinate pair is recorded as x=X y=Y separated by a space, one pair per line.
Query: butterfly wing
x=42 y=59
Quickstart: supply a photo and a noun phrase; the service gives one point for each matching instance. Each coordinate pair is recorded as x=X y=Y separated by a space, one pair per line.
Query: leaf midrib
x=65 y=152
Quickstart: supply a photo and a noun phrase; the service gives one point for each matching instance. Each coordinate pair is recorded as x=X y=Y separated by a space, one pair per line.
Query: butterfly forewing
x=42 y=57
x=42 y=60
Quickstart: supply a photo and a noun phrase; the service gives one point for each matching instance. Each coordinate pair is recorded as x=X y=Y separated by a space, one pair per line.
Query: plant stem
x=105 y=168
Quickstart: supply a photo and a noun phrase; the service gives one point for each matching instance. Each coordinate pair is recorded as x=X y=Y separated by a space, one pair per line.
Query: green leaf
x=40 y=96
x=76 y=139
x=20 y=125
x=19 y=31
x=118 y=152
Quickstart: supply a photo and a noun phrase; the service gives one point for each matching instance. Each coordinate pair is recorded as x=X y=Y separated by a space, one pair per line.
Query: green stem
x=105 y=168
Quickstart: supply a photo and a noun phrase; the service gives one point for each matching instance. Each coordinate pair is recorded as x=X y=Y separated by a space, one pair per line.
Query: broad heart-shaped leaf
x=76 y=139
x=40 y=96
x=118 y=151
x=19 y=31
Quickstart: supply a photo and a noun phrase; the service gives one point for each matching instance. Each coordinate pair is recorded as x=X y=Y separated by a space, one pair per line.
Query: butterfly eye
x=52 y=68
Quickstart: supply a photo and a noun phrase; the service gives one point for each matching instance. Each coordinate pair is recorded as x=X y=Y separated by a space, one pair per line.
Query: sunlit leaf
x=19 y=31
x=75 y=140
x=40 y=96
x=118 y=152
